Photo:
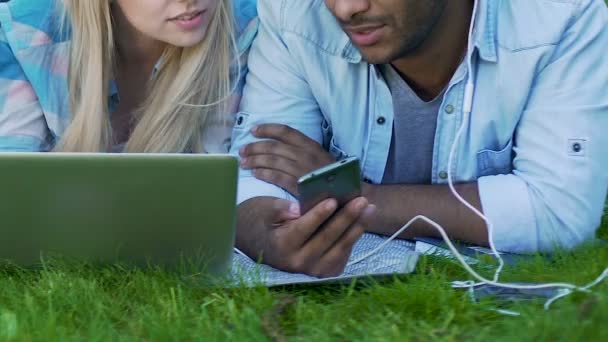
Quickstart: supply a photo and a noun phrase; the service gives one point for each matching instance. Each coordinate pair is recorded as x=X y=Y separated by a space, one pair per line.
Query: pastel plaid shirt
x=34 y=100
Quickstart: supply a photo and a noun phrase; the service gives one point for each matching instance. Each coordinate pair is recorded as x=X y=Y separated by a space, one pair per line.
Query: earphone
x=565 y=288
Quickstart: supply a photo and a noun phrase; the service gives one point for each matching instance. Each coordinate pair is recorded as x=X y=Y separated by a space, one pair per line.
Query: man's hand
x=317 y=243
x=288 y=155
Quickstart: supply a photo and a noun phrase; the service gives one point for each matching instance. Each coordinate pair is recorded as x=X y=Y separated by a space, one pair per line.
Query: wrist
x=367 y=191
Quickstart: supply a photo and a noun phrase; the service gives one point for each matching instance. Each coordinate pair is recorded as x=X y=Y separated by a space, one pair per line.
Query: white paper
x=397 y=257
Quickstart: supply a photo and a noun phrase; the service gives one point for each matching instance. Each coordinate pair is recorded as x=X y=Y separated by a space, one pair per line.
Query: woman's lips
x=189 y=21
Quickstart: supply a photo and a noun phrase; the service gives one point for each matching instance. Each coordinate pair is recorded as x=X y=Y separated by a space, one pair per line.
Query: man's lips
x=366 y=35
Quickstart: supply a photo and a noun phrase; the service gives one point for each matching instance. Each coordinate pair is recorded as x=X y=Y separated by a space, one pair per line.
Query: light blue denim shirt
x=537 y=137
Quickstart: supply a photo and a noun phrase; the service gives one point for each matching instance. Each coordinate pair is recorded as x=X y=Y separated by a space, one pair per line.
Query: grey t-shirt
x=410 y=159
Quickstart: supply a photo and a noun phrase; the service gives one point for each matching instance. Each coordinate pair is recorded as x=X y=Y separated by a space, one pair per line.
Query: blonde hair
x=187 y=93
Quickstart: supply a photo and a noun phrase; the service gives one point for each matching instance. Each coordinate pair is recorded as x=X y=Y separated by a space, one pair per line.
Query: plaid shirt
x=34 y=100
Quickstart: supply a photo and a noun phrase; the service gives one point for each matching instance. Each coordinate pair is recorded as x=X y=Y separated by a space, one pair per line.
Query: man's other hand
x=317 y=243
x=285 y=156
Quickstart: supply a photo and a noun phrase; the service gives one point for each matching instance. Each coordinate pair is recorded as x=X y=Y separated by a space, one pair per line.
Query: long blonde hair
x=188 y=91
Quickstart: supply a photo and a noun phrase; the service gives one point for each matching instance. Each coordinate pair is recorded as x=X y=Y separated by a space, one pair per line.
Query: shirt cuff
x=250 y=187
x=506 y=203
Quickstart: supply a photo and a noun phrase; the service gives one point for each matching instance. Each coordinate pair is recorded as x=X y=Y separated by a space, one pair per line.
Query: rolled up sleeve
x=555 y=197
x=22 y=124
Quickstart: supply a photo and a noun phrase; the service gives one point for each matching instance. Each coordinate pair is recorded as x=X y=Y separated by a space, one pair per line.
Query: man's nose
x=345 y=10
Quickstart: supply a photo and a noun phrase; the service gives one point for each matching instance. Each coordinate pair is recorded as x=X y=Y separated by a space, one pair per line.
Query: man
x=392 y=82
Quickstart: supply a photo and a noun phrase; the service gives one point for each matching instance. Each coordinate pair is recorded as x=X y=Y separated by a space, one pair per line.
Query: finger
x=343 y=247
x=368 y=215
x=285 y=210
x=306 y=226
x=273 y=147
x=272 y=162
x=284 y=134
x=278 y=178
x=334 y=261
x=333 y=229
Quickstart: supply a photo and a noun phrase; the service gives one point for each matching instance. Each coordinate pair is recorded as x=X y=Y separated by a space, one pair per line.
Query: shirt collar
x=484 y=31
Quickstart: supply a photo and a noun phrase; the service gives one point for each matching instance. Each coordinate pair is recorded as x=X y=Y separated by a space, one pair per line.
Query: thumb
x=285 y=210
x=368 y=215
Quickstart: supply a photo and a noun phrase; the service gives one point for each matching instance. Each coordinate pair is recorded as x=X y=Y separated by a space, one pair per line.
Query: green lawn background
x=71 y=302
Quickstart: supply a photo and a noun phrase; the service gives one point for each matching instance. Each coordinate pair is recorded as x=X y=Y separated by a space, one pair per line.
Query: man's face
x=386 y=30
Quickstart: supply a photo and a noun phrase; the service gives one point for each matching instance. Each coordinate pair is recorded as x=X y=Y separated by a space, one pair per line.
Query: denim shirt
x=537 y=138
x=34 y=56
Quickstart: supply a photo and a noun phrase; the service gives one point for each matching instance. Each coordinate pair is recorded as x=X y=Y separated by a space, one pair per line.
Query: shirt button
x=443 y=175
x=449 y=109
x=381 y=120
x=576 y=147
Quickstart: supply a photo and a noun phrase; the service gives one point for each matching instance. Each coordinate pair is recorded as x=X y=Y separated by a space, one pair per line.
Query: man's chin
x=374 y=57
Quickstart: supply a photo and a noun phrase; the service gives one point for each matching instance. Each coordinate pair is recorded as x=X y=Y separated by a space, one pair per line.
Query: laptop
x=142 y=209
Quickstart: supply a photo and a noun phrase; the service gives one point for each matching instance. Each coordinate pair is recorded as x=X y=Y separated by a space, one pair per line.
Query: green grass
x=79 y=302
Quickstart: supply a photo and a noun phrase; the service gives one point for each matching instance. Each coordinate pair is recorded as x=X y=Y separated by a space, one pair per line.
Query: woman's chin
x=188 y=40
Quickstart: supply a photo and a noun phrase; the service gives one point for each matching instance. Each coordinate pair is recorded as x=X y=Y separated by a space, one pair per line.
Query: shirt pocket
x=335 y=150
x=327 y=133
x=490 y=162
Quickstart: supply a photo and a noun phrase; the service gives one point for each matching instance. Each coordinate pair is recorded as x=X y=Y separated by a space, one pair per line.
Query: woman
x=153 y=76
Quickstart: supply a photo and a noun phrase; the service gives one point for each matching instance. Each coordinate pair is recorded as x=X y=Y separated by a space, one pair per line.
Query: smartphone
x=340 y=180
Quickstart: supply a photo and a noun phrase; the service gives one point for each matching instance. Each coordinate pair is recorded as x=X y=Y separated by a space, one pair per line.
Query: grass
x=79 y=302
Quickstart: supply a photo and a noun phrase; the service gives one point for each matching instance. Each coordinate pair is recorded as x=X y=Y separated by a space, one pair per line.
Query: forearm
x=397 y=204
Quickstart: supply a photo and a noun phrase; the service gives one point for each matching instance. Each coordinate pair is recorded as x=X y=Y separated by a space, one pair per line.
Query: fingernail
x=294 y=209
x=330 y=205
x=243 y=161
x=242 y=151
x=254 y=129
x=369 y=210
x=361 y=203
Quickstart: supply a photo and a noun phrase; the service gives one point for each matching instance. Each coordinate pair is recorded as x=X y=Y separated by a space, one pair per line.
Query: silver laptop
x=140 y=209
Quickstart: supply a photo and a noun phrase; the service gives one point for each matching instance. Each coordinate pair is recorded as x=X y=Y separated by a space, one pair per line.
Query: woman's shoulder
x=245 y=11
x=31 y=23
x=33 y=59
